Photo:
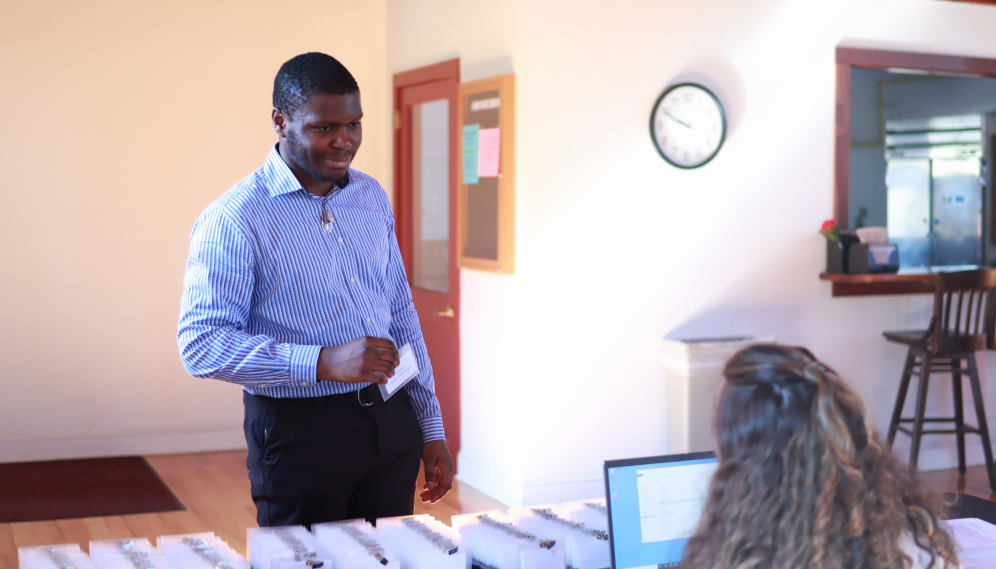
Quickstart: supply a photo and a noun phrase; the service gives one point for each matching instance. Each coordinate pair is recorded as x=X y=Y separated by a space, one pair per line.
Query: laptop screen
x=654 y=507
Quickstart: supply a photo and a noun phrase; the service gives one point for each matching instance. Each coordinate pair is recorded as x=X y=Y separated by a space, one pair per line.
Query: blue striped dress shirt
x=276 y=273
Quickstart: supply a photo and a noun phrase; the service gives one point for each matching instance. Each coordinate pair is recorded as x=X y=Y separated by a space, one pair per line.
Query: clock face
x=688 y=125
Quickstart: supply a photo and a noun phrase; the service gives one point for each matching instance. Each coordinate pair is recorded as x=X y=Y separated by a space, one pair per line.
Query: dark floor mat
x=85 y=488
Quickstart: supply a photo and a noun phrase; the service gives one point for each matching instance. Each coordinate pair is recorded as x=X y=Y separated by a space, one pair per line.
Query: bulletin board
x=486 y=179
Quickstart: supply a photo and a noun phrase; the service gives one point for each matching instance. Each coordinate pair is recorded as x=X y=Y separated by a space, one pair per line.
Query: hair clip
x=440 y=541
x=807 y=371
x=373 y=548
x=514 y=531
x=548 y=515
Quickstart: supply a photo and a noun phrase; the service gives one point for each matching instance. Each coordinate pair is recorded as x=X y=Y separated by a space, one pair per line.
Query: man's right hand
x=366 y=359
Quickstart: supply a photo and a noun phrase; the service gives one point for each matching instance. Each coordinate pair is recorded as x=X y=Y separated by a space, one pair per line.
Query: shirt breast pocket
x=297 y=272
x=373 y=244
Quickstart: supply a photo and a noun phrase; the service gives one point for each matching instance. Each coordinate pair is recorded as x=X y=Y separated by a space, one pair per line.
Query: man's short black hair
x=310 y=74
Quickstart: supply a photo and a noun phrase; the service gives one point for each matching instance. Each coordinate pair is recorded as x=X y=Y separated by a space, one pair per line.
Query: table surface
x=966 y=506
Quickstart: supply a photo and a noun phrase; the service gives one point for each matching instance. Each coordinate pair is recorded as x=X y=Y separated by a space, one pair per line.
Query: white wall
x=615 y=249
x=124 y=120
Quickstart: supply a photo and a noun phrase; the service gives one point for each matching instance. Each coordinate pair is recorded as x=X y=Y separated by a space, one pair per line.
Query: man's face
x=321 y=137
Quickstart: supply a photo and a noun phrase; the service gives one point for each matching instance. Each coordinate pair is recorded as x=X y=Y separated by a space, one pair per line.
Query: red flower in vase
x=829 y=230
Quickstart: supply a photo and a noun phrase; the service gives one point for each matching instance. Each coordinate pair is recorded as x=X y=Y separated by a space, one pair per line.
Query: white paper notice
x=406 y=370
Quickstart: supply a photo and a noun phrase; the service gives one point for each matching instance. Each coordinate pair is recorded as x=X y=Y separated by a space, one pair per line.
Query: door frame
x=402 y=203
x=448 y=71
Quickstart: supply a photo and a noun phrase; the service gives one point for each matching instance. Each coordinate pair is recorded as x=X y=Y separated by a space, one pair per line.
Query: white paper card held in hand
x=406 y=370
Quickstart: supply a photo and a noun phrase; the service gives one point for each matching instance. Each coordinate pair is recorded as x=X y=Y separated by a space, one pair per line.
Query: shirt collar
x=279 y=178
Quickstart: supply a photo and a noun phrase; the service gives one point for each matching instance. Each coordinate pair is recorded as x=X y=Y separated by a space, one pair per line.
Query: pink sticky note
x=488 y=151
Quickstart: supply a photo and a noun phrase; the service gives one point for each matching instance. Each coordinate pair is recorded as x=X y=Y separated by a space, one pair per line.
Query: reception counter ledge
x=881 y=283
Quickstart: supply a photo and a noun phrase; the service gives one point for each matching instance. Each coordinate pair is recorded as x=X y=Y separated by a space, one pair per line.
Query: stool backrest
x=964 y=312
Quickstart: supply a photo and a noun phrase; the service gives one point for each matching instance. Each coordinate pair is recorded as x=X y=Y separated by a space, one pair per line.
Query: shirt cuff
x=432 y=428
x=304 y=365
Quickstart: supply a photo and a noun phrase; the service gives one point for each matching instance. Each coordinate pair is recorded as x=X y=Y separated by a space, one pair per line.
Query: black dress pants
x=321 y=459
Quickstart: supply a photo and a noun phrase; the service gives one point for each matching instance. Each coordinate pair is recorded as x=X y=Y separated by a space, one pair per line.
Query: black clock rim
x=722 y=115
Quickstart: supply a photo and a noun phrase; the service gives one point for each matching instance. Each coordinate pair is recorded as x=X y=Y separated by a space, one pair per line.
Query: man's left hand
x=438 y=470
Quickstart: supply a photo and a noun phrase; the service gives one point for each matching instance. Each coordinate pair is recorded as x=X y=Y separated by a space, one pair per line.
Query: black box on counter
x=838 y=252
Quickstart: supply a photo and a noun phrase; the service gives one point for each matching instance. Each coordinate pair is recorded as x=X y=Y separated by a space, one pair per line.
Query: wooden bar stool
x=964 y=322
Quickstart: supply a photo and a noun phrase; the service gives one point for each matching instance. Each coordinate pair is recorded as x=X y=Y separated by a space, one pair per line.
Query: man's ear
x=279 y=122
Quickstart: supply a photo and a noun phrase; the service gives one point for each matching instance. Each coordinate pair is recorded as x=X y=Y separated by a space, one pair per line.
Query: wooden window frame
x=847 y=58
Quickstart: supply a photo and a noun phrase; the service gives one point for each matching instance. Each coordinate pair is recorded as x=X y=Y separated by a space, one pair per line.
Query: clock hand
x=677 y=120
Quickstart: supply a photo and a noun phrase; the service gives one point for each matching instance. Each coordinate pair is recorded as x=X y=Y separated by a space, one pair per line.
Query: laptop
x=654 y=506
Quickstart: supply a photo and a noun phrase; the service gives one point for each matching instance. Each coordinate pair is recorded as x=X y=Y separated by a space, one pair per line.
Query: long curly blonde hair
x=803 y=481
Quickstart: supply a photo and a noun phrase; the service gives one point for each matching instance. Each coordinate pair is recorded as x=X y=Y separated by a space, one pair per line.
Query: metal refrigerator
x=935 y=184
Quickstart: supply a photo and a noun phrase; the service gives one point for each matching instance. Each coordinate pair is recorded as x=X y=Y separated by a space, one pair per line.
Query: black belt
x=365 y=397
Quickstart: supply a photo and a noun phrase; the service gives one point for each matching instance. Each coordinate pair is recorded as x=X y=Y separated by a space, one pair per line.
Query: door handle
x=448 y=313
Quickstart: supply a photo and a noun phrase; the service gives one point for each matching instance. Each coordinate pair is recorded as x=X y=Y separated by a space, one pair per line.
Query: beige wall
x=562 y=363
x=124 y=120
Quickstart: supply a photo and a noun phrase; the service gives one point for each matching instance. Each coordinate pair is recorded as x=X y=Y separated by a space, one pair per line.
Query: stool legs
x=980 y=412
x=904 y=385
x=921 y=408
x=959 y=409
x=919 y=417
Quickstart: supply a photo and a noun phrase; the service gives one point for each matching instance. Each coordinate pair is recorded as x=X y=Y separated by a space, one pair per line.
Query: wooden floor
x=975 y=482
x=215 y=489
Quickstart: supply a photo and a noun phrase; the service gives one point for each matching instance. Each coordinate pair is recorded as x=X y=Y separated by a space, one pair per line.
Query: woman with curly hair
x=803 y=481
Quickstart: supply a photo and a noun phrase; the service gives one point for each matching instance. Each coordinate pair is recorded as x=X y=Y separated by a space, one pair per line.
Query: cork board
x=486 y=175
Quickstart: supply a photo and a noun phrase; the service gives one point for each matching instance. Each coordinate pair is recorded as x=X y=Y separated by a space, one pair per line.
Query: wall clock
x=688 y=125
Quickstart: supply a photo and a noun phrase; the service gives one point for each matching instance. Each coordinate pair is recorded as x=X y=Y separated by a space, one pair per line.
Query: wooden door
x=425 y=170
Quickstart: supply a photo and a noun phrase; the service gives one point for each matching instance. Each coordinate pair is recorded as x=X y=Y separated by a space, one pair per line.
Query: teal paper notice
x=471 y=134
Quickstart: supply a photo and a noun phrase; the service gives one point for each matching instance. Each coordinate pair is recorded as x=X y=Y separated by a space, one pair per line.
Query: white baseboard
x=515 y=494
x=195 y=439
x=563 y=492
x=942 y=457
x=494 y=485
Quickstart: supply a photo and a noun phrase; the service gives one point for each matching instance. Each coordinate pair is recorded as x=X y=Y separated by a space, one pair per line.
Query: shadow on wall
x=722 y=78
x=488 y=68
x=772 y=321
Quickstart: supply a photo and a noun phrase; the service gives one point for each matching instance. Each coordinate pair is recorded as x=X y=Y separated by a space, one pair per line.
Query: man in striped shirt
x=295 y=290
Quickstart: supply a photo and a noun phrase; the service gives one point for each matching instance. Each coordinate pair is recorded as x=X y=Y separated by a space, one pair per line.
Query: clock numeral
x=701 y=120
